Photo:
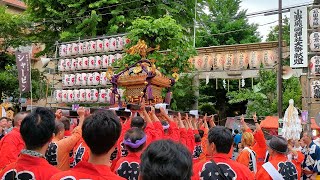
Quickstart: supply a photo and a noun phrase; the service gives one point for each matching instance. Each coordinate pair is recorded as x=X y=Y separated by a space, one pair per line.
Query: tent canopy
x=271 y=122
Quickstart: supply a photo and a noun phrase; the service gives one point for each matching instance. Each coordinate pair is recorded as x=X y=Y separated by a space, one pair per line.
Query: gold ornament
x=137 y=69
x=109 y=73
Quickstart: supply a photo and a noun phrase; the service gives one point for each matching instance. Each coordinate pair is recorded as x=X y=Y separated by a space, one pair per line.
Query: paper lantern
x=104 y=61
x=92 y=47
x=62 y=50
x=119 y=43
x=112 y=44
x=103 y=78
x=109 y=94
x=229 y=61
x=314 y=41
x=82 y=95
x=315 y=89
x=102 y=95
x=198 y=63
x=218 y=61
x=74 y=65
x=65 y=80
x=58 y=95
x=96 y=78
x=254 y=59
x=64 y=96
x=88 y=95
x=94 y=95
x=69 y=49
x=85 y=63
x=99 y=46
x=125 y=41
x=118 y=57
x=92 y=62
x=111 y=59
x=242 y=60
x=314 y=16
x=74 y=50
x=89 y=79
x=61 y=65
x=86 y=47
x=79 y=63
x=84 y=79
x=76 y=95
x=97 y=62
x=70 y=96
x=106 y=45
x=78 y=79
x=315 y=65
x=208 y=61
x=72 y=79
x=67 y=64
x=80 y=48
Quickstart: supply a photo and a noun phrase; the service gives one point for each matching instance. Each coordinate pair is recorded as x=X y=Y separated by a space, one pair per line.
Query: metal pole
x=194 y=23
x=30 y=82
x=280 y=69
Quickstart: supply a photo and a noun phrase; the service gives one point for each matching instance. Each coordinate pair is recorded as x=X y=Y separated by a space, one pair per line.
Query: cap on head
x=278 y=144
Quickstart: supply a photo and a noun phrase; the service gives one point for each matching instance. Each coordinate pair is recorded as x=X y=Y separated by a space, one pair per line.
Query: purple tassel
x=149 y=93
x=168 y=97
x=112 y=99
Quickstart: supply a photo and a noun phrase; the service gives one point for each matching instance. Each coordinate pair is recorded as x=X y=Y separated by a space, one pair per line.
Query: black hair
x=101 y=131
x=66 y=123
x=37 y=128
x=165 y=159
x=59 y=126
x=3 y=118
x=236 y=131
x=197 y=138
x=201 y=132
x=222 y=138
x=134 y=134
x=138 y=122
x=164 y=123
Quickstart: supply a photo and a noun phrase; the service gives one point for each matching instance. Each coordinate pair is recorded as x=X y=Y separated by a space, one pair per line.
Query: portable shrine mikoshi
x=142 y=80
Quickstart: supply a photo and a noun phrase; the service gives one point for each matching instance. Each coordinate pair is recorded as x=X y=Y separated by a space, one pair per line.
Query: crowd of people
x=147 y=145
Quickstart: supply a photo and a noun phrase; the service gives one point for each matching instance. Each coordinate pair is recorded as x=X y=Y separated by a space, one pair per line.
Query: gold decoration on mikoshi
x=109 y=73
x=142 y=49
x=137 y=69
x=175 y=75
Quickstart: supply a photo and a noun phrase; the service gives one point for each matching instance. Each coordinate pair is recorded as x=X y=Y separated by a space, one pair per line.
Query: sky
x=261 y=5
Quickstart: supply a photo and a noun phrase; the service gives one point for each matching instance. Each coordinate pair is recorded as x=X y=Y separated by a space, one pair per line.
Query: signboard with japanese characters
x=314 y=15
x=298 y=40
x=23 y=66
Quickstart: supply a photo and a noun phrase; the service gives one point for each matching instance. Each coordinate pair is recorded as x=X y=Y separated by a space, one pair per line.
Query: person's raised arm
x=244 y=124
x=211 y=121
x=205 y=122
x=81 y=113
x=165 y=115
x=255 y=119
x=181 y=125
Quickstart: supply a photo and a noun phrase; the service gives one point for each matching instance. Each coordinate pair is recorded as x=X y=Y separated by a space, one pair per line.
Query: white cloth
x=254 y=161
x=271 y=170
x=291 y=123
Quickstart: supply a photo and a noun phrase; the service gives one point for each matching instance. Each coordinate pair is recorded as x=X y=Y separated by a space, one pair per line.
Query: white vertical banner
x=298 y=37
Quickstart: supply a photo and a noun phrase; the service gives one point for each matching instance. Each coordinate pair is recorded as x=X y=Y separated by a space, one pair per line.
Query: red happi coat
x=29 y=167
x=128 y=167
x=86 y=170
x=234 y=170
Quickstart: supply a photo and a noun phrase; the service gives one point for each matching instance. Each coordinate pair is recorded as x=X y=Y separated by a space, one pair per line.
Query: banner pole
x=31 y=100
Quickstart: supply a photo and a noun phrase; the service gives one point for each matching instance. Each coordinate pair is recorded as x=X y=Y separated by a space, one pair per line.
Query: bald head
x=18 y=118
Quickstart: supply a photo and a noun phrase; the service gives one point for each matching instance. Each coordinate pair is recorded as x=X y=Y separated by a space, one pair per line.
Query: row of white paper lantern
x=234 y=60
x=84 y=95
x=105 y=45
x=85 y=63
x=84 y=79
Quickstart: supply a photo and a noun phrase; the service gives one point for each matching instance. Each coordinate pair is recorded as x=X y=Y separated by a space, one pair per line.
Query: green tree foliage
x=263 y=97
x=183 y=94
x=224 y=17
x=69 y=19
x=274 y=33
x=166 y=33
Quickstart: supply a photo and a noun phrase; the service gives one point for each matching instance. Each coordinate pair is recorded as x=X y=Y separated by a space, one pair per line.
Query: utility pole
x=279 y=74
